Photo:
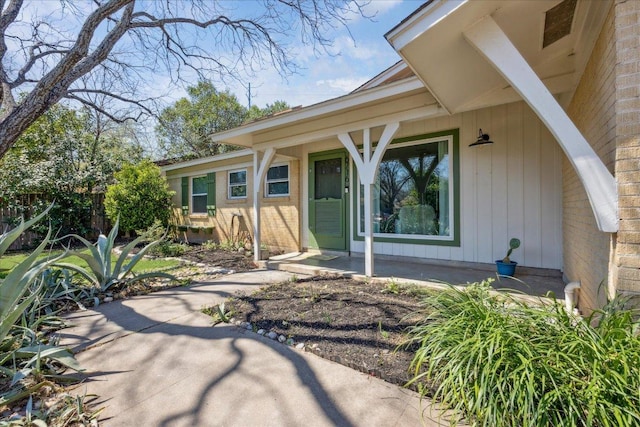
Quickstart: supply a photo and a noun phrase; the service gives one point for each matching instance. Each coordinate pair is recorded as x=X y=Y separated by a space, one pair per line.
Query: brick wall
x=626 y=268
x=234 y=217
x=586 y=249
x=281 y=216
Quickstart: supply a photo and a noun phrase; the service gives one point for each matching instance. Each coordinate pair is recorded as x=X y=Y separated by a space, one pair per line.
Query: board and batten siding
x=512 y=188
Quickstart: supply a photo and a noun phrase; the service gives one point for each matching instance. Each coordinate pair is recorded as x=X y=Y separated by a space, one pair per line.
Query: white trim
x=204 y=160
x=600 y=185
x=278 y=158
x=429 y=111
x=229 y=185
x=260 y=170
x=416 y=25
x=218 y=169
x=267 y=182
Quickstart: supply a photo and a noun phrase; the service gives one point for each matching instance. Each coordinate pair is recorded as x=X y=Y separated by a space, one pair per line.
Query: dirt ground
x=354 y=323
x=229 y=260
x=358 y=324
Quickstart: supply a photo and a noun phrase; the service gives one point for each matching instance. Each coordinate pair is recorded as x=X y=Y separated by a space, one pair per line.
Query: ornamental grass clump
x=495 y=360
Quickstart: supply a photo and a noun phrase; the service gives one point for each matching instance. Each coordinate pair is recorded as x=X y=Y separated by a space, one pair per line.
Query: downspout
x=570 y=297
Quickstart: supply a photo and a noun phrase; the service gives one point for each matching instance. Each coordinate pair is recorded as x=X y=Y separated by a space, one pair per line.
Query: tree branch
x=48 y=64
x=101 y=110
x=72 y=93
x=8 y=16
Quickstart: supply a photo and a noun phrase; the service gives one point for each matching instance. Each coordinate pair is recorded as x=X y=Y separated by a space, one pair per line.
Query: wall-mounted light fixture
x=483 y=138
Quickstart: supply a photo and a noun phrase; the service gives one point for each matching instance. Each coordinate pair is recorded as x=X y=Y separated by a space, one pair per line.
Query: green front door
x=327 y=201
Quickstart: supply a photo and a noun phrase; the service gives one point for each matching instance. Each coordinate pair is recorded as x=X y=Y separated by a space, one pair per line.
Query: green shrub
x=166 y=247
x=140 y=196
x=156 y=231
x=497 y=361
x=210 y=245
x=170 y=249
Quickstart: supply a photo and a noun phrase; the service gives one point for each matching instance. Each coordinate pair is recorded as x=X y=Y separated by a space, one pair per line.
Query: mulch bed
x=230 y=260
x=357 y=324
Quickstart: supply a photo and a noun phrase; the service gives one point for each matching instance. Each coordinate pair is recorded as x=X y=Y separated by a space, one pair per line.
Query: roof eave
x=242 y=135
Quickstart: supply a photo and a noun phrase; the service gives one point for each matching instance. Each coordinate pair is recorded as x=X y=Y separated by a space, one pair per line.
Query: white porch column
x=368 y=208
x=367 y=165
x=260 y=167
x=492 y=43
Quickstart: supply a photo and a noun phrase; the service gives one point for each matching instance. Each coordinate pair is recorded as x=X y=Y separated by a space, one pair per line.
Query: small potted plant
x=505 y=266
x=264 y=251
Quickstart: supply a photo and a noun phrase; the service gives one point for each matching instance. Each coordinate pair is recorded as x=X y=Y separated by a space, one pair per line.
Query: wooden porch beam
x=494 y=45
x=260 y=168
x=367 y=165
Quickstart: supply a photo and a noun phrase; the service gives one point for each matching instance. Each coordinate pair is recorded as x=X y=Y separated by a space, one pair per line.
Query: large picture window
x=277 y=182
x=199 y=195
x=413 y=194
x=238 y=184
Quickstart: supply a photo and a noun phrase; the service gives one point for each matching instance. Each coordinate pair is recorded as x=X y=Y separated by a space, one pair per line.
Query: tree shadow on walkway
x=122 y=320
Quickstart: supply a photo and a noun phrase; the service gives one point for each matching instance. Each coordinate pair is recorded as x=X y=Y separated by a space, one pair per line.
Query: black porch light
x=483 y=138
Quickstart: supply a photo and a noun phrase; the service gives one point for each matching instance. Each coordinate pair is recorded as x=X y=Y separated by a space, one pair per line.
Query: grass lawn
x=7 y=262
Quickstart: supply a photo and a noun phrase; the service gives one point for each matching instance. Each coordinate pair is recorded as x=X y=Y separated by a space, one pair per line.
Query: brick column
x=625 y=271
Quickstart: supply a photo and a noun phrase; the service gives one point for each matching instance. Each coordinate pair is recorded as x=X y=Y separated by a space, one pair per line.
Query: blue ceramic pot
x=506 y=269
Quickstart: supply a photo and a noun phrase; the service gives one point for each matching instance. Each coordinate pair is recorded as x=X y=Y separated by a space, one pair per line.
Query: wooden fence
x=10 y=216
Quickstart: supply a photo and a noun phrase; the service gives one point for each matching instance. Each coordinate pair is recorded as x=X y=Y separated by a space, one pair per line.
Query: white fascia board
x=419 y=23
x=327 y=107
x=204 y=160
x=204 y=172
x=427 y=111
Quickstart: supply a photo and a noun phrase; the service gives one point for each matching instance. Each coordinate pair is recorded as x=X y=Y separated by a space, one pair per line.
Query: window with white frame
x=238 y=184
x=199 y=195
x=277 y=181
x=413 y=193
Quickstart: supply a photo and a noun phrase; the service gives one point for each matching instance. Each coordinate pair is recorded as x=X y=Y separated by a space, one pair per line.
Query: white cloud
x=348 y=47
x=380 y=6
x=343 y=84
x=374 y=9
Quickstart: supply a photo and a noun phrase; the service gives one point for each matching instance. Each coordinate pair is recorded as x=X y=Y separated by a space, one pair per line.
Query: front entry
x=328 y=200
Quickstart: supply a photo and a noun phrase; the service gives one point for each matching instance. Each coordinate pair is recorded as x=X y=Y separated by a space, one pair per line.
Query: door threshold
x=328 y=252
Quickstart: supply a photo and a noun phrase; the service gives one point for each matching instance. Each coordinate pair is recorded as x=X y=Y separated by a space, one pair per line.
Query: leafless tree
x=72 y=49
x=393 y=177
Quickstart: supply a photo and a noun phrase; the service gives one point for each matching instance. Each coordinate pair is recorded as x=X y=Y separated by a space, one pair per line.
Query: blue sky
x=353 y=61
x=349 y=63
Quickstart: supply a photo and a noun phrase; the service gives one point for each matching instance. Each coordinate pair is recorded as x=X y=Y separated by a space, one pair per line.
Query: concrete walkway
x=155 y=360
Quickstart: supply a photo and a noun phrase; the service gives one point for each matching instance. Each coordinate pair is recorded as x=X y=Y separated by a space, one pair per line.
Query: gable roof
x=396 y=72
x=366 y=104
x=432 y=43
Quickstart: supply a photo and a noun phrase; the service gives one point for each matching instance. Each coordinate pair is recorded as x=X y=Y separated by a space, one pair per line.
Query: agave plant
x=14 y=286
x=21 y=349
x=103 y=272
